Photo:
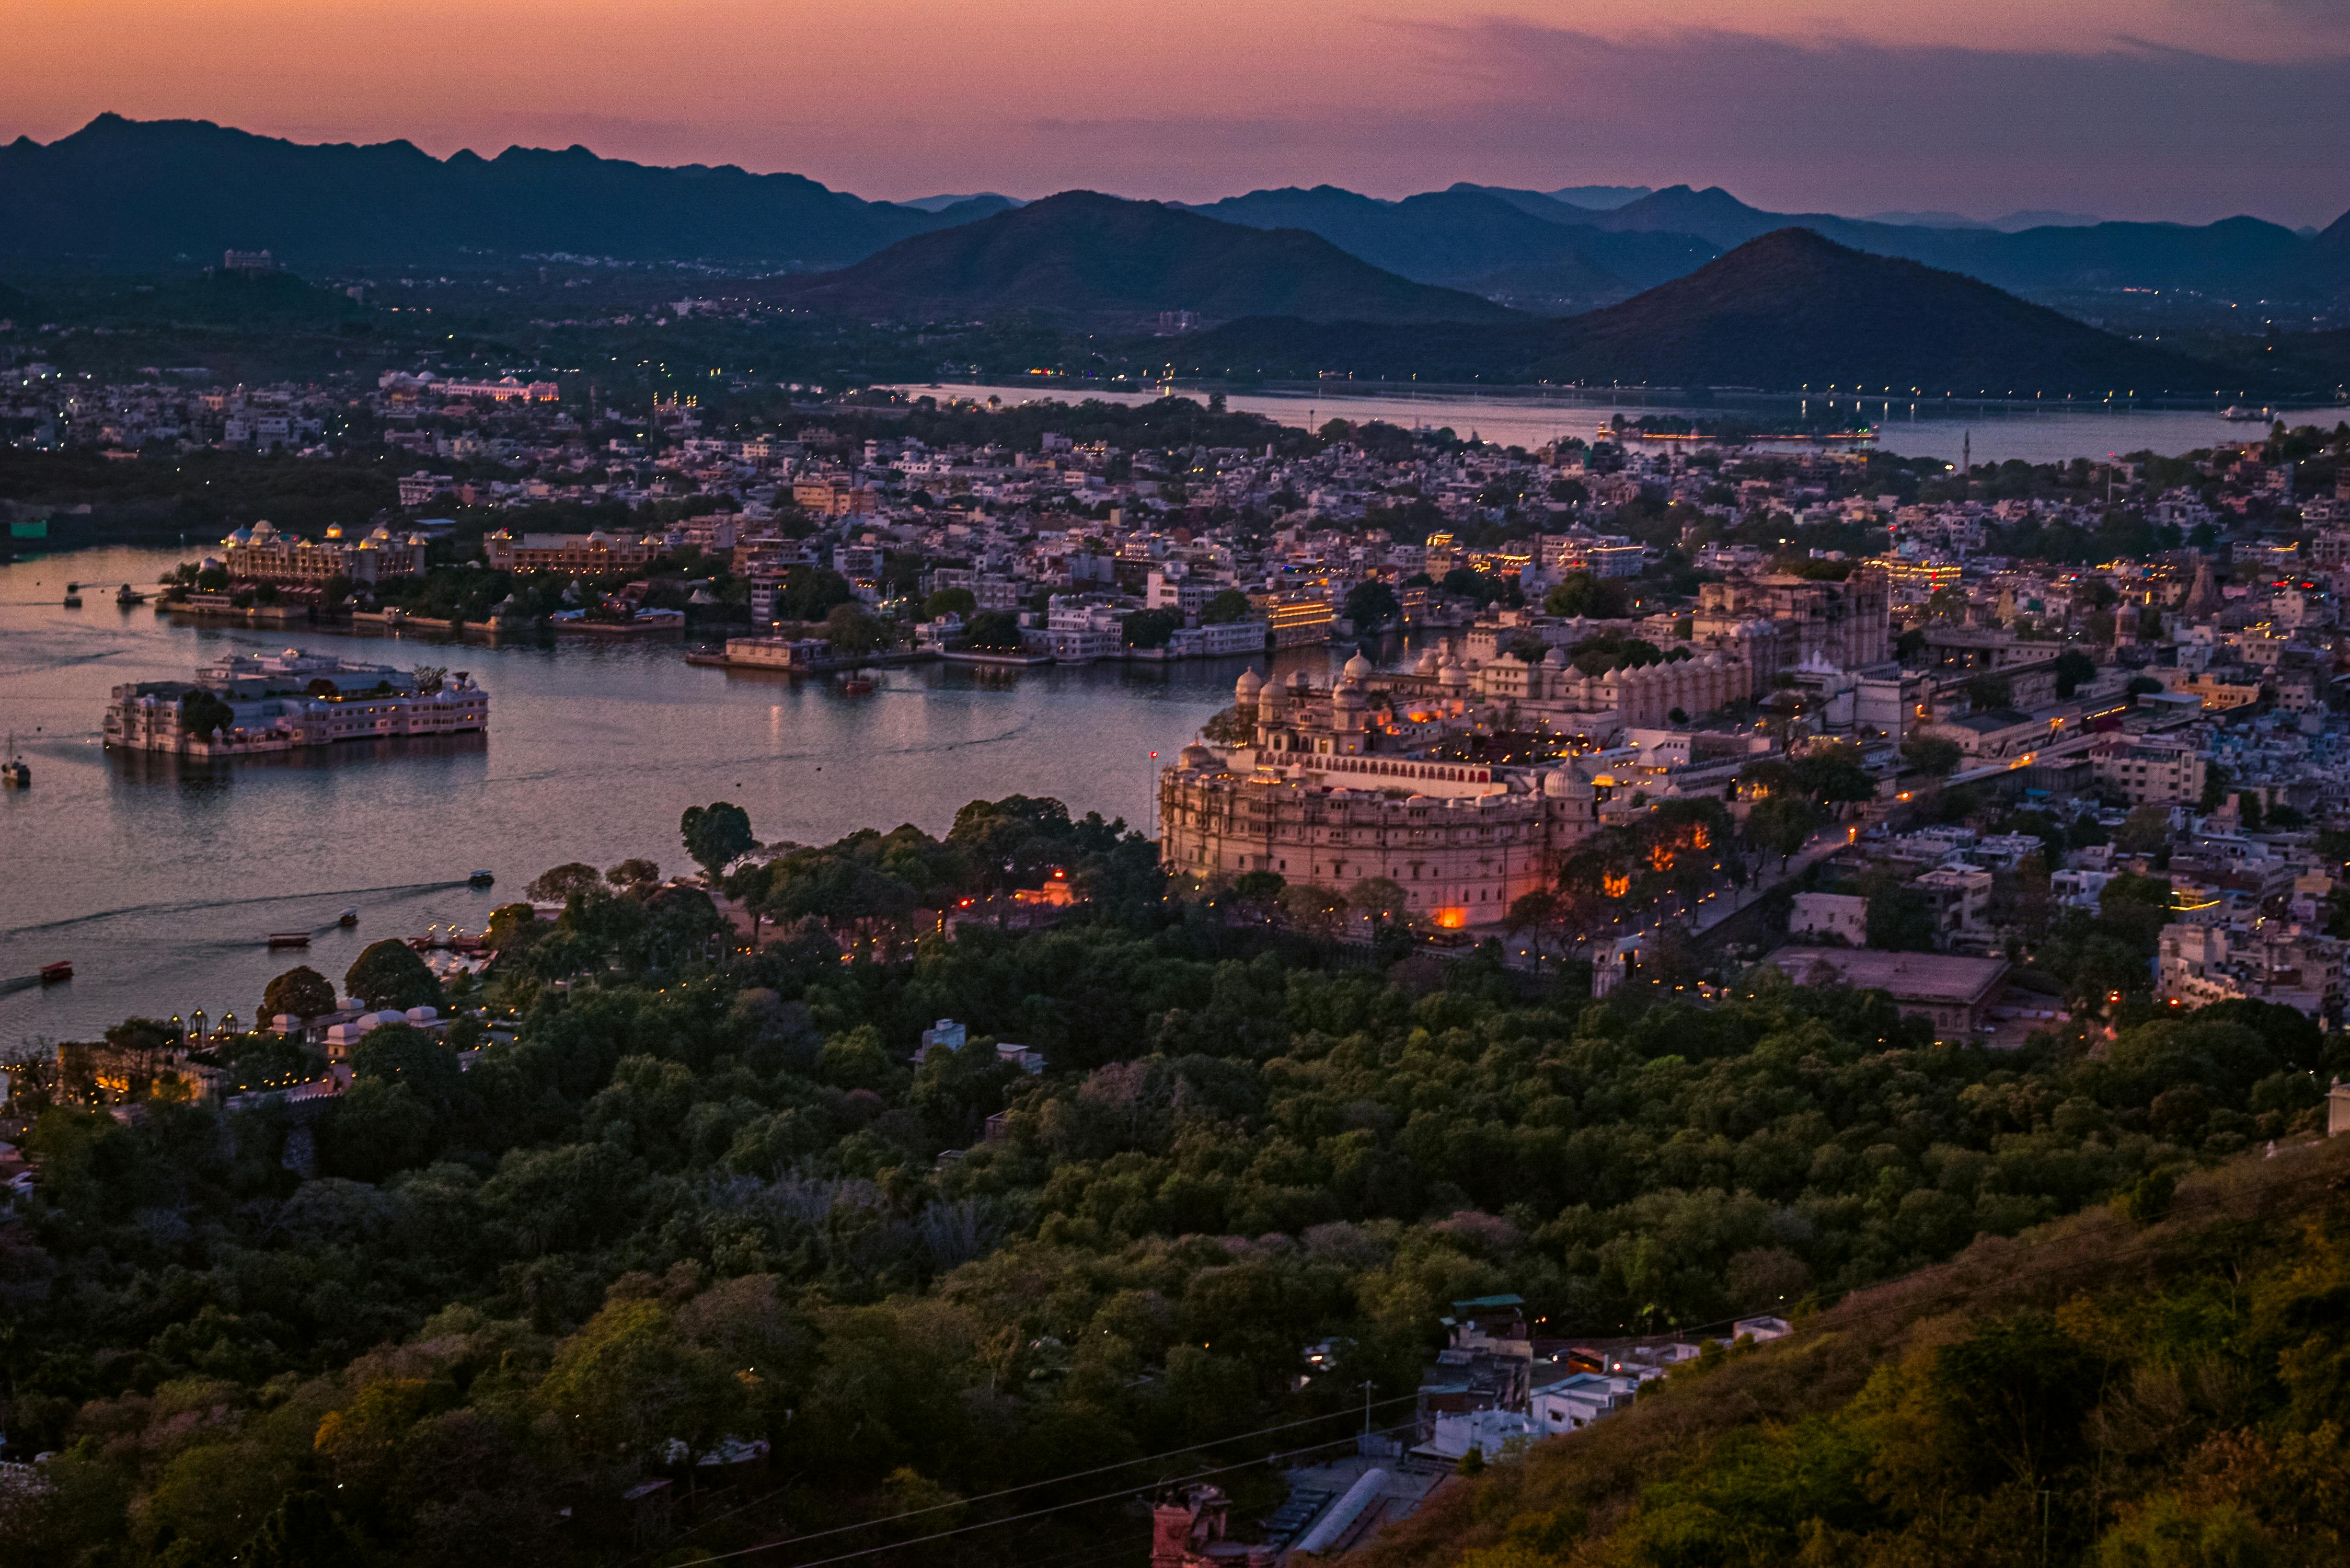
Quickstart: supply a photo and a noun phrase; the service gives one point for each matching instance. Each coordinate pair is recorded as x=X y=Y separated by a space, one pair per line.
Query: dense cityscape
x=1694 y=990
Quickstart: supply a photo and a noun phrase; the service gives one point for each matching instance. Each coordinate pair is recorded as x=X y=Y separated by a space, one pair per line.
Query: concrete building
x=1841 y=915
x=577 y=553
x=2149 y=772
x=1953 y=993
x=2273 y=960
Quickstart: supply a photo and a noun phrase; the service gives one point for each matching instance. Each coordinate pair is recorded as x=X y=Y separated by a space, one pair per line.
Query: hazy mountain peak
x=995 y=200
x=1601 y=198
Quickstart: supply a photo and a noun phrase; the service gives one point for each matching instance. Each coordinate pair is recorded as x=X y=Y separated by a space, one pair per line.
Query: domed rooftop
x=1246 y=688
x=1556 y=658
x=1427 y=665
x=1358 y=667
x=263 y=531
x=1195 y=755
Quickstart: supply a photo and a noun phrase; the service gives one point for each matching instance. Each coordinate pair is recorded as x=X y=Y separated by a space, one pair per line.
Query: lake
x=159 y=881
x=2055 y=432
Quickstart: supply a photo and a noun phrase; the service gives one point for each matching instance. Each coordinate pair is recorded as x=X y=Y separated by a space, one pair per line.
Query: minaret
x=1967 y=455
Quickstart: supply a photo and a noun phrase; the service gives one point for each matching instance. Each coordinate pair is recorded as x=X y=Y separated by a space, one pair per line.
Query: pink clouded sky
x=2125 y=108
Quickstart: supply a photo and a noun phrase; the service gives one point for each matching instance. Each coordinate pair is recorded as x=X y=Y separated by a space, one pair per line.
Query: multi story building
x=2276 y=962
x=1299 y=620
x=2149 y=772
x=1079 y=628
x=247 y=704
x=263 y=555
x=584 y=554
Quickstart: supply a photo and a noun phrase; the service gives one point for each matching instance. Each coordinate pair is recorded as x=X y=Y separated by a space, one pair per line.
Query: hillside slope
x=1088 y=258
x=2161 y=1390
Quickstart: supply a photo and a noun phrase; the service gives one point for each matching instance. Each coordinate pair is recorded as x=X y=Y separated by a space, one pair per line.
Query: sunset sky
x=2190 y=109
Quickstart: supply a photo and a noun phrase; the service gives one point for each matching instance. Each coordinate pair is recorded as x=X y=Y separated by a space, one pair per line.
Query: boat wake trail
x=196 y=906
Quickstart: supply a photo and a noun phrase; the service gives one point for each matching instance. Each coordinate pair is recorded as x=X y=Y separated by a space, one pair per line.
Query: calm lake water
x=160 y=881
x=2056 y=432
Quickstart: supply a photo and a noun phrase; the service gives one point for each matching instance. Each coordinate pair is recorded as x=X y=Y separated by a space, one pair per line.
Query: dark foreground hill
x=139 y=192
x=1080 y=257
x=1787 y=310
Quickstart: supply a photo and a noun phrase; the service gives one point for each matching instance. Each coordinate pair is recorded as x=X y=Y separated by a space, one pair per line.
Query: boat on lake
x=127 y=596
x=348 y=919
x=14 y=772
x=479 y=879
x=289 y=939
x=56 y=973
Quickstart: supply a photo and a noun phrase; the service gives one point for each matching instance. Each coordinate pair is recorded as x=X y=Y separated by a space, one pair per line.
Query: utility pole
x=1367 y=1386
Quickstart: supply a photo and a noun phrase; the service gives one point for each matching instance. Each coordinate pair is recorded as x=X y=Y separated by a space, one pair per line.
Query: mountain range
x=1786 y=310
x=139 y=193
x=130 y=192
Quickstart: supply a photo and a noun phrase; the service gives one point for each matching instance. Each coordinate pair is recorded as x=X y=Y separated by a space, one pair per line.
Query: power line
x=1078 y=1475
x=1014 y=1518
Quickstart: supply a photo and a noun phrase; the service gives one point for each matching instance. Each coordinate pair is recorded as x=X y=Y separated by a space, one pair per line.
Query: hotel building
x=292 y=700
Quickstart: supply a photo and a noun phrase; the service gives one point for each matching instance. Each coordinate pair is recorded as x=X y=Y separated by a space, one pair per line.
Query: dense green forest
x=680 y=1205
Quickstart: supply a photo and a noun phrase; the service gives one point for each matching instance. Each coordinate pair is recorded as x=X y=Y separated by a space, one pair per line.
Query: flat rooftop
x=1944 y=977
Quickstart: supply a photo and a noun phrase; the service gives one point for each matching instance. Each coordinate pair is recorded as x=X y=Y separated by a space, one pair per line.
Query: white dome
x=1358 y=667
x=1246 y=688
x=1556 y=658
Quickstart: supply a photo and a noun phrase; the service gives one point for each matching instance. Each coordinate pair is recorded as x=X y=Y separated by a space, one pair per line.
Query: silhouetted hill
x=1460 y=236
x=2234 y=255
x=1784 y=310
x=1081 y=256
x=135 y=193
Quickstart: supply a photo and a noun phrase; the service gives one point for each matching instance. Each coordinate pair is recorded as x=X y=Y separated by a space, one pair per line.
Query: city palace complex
x=2052 y=679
